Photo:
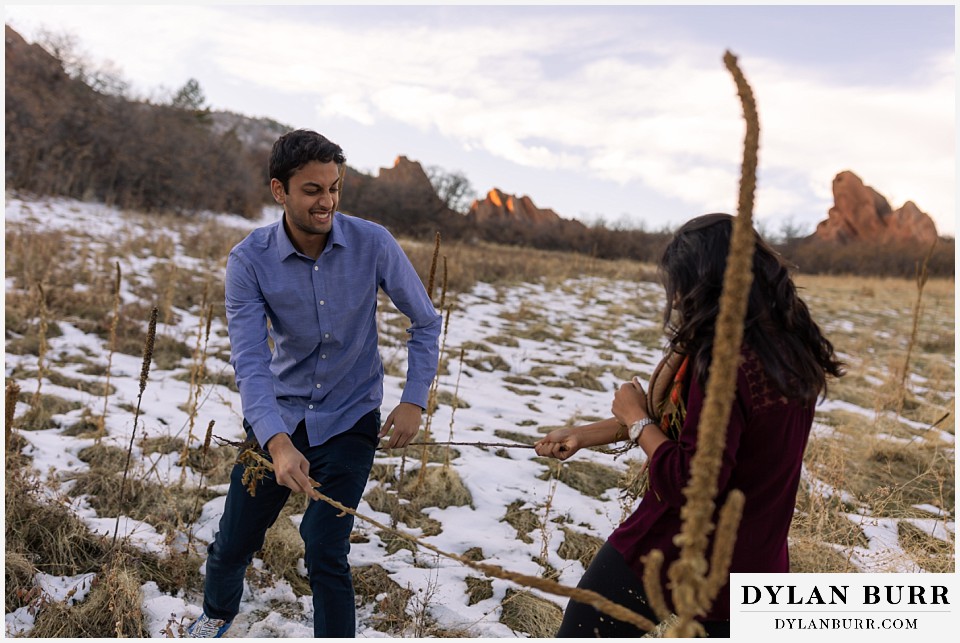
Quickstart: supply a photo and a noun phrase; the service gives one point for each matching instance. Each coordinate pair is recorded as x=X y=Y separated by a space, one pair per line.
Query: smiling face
x=309 y=206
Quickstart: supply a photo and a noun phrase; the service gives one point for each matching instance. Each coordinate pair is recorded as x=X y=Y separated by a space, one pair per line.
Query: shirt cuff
x=415 y=393
x=265 y=429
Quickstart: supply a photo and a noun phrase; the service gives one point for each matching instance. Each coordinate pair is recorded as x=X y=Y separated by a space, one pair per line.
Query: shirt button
x=316 y=267
x=322 y=302
x=326 y=335
x=310 y=407
x=318 y=386
x=324 y=356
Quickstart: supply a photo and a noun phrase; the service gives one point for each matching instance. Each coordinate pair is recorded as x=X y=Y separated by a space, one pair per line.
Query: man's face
x=313 y=198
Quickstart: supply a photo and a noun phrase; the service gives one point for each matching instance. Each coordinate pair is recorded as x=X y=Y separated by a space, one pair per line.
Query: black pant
x=611 y=577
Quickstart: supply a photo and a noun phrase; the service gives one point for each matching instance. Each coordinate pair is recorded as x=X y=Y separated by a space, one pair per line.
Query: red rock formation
x=406 y=173
x=500 y=206
x=860 y=213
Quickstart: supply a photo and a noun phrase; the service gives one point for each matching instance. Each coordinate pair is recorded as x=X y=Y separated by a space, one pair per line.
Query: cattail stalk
x=432 y=406
x=688 y=574
x=41 y=343
x=148 y=346
x=652 y=565
x=433 y=266
x=197 y=372
x=456 y=403
x=10 y=410
x=580 y=595
x=203 y=467
x=922 y=276
x=111 y=348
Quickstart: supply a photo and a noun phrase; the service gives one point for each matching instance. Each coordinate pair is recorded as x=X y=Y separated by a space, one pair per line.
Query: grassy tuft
x=523 y=611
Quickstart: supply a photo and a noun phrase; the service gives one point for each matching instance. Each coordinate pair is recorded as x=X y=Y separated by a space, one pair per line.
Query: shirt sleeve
x=670 y=463
x=249 y=351
x=403 y=285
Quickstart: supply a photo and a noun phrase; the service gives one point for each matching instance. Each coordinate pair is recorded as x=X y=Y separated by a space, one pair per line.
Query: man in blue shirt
x=309 y=284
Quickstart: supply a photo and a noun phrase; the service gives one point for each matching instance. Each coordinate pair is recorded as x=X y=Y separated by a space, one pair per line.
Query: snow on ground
x=541 y=335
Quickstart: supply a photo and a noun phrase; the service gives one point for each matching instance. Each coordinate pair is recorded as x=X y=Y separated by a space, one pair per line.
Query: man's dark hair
x=295 y=149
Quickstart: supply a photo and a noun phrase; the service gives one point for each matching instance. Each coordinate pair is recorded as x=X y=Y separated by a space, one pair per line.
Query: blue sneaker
x=207 y=628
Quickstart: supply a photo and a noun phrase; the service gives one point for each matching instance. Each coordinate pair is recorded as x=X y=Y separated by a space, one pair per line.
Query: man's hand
x=290 y=466
x=405 y=421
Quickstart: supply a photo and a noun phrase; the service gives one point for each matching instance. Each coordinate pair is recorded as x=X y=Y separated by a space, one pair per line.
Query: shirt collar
x=285 y=247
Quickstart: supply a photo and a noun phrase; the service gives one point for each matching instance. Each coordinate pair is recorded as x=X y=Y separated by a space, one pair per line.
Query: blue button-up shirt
x=324 y=366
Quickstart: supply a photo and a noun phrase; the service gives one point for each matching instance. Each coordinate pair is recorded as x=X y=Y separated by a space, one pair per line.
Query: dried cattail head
x=148 y=345
x=433 y=265
x=10 y=408
x=206 y=440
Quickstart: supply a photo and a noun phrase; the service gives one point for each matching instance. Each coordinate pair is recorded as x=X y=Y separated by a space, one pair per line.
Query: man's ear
x=279 y=194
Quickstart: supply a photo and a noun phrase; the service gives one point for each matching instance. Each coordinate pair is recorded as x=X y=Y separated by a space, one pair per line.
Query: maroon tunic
x=765 y=441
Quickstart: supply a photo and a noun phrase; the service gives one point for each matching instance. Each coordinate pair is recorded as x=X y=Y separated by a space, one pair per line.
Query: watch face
x=634 y=432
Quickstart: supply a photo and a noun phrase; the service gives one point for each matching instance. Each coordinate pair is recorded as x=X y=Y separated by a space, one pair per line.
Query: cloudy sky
x=622 y=112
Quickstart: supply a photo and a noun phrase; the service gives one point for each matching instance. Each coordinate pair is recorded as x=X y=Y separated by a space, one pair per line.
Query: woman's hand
x=560 y=443
x=630 y=403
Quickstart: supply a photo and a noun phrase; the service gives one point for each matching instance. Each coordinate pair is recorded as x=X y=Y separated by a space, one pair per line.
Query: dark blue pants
x=341 y=466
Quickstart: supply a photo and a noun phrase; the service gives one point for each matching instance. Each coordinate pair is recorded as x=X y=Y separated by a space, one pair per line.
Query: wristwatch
x=636 y=429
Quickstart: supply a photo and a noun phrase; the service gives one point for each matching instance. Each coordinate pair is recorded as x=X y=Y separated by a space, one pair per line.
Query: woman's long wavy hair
x=778 y=326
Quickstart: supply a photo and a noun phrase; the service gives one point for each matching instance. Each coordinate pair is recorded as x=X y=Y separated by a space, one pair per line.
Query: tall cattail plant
x=695 y=581
x=111 y=348
x=43 y=322
x=148 y=346
x=433 y=267
x=456 y=403
x=197 y=373
x=203 y=468
x=432 y=406
x=10 y=411
x=922 y=277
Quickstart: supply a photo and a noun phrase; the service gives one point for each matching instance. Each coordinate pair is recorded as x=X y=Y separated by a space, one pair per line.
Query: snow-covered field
x=533 y=357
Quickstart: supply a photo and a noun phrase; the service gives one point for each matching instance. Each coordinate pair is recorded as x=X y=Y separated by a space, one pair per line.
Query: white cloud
x=624 y=102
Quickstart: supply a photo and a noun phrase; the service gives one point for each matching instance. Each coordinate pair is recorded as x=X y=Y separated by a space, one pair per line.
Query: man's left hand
x=405 y=421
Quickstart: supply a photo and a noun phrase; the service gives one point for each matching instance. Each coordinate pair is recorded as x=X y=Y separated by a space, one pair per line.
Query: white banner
x=848 y=607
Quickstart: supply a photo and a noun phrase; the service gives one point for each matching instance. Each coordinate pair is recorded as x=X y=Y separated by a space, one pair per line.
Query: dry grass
x=589 y=478
x=373 y=584
x=932 y=554
x=478 y=589
x=579 y=546
x=438 y=487
x=885 y=465
x=521 y=518
x=283 y=547
x=523 y=611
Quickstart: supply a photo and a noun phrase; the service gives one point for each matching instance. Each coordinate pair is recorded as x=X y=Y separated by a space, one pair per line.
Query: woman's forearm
x=602 y=432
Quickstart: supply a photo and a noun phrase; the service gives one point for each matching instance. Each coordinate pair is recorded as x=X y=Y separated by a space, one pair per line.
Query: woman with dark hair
x=785 y=362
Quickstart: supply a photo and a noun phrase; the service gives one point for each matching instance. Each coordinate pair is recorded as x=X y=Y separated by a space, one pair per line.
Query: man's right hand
x=290 y=467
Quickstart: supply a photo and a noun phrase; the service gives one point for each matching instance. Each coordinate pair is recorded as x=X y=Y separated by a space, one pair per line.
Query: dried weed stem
x=922 y=276
x=587 y=597
x=691 y=585
x=197 y=374
x=148 y=346
x=111 y=348
x=456 y=399
x=10 y=410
